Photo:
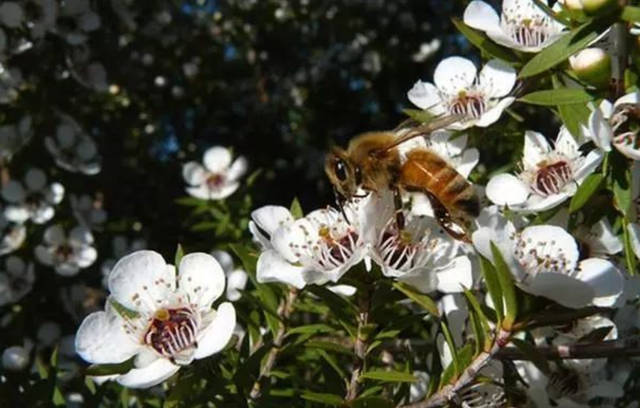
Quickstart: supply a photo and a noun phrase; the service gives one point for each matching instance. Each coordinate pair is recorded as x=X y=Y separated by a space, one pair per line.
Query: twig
x=450 y=391
x=628 y=347
x=284 y=311
x=548 y=318
x=619 y=60
x=359 y=349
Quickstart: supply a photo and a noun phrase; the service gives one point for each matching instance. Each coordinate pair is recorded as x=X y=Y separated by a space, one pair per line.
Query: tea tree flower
x=67 y=254
x=609 y=125
x=545 y=261
x=73 y=149
x=458 y=89
x=549 y=175
x=84 y=21
x=16 y=280
x=32 y=201
x=88 y=211
x=12 y=235
x=14 y=137
x=219 y=176
x=169 y=322
x=522 y=25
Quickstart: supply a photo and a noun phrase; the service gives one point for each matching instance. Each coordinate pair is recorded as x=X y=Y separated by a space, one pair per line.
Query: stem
x=551 y=318
x=619 y=60
x=628 y=347
x=284 y=311
x=359 y=348
x=449 y=391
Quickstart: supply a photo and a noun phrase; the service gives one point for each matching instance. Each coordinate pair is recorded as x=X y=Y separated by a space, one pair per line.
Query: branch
x=552 y=318
x=359 y=349
x=284 y=312
x=628 y=347
x=450 y=391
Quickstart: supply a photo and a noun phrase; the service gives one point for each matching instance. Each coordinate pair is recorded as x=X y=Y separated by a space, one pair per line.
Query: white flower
x=13 y=235
x=318 y=248
x=522 y=25
x=265 y=221
x=73 y=149
x=16 y=280
x=10 y=83
x=11 y=14
x=88 y=211
x=460 y=90
x=14 y=137
x=545 y=261
x=427 y=50
x=218 y=178
x=121 y=246
x=34 y=202
x=608 y=125
x=549 y=175
x=597 y=241
x=84 y=21
x=170 y=322
x=16 y=358
x=236 y=277
x=67 y=254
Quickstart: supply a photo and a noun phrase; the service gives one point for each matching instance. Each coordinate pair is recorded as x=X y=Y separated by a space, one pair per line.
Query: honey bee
x=372 y=162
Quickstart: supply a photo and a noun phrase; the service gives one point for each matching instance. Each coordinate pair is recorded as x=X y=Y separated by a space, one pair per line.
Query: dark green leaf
x=326 y=399
x=507 y=287
x=372 y=402
x=481 y=41
x=587 y=189
x=98 y=370
x=419 y=115
x=558 y=96
x=311 y=329
x=465 y=354
x=329 y=346
x=452 y=348
x=420 y=298
x=389 y=376
x=190 y=201
x=483 y=321
x=595 y=335
x=493 y=286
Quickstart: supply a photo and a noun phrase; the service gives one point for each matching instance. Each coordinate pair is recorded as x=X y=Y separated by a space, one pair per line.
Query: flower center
x=172 y=331
x=541 y=257
x=563 y=383
x=404 y=250
x=551 y=178
x=527 y=32
x=215 y=181
x=63 y=252
x=468 y=105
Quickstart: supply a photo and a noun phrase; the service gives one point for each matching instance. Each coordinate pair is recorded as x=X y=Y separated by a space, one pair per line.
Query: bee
x=372 y=162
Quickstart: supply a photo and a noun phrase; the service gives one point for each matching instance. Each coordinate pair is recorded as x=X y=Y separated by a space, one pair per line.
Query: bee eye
x=340 y=169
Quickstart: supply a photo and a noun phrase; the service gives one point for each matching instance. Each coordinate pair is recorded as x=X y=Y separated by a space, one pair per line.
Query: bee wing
x=437 y=123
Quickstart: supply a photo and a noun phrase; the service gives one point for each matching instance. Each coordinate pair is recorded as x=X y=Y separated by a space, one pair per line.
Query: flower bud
x=599 y=7
x=574 y=5
x=15 y=358
x=593 y=66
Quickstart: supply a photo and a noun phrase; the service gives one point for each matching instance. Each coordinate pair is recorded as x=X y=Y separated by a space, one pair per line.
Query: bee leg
x=444 y=219
x=397 y=202
x=340 y=200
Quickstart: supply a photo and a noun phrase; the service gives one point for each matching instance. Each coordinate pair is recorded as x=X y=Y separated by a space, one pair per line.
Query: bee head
x=344 y=176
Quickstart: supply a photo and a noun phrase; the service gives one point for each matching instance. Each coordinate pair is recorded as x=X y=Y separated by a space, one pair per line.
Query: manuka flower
x=14 y=137
x=549 y=175
x=73 y=149
x=16 y=280
x=523 y=25
x=88 y=211
x=218 y=178
x=458 y=89
x=545 y=261
x=12 y=235
x=162 y=319
x=34 y=200
x=67 y=254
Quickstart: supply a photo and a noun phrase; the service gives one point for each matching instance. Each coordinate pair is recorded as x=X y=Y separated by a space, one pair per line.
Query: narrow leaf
x=482 y=317
x=558 y=96
x=389 y=376
x=420 y=298
x=465 y=354
x=178 y=256
x=98 y=370
x=372 y=402
x=586 y=190
x=493 y=286
x=419 y=115
x=323 y=398
x=507 y=286
x=296 y=209
x=452 y=348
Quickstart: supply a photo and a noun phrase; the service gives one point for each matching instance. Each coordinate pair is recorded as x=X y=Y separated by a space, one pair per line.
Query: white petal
x=425 y=96
x=35 y=179
x=224 y=259
x=42 y=214
x=506 y=189
x=151 y=375
x=605 y=279
x=223 y=191
x=201 y=192
x=343 y=290
x=86 y=256
x=44 y=255
x=632 y=98
x=424 y=280
x=202 y=278
x=600 y=130
x=238 y=168
x=268 y=219
x=565 y=143
x=16 y=214
x=493 y=114
x=634 y=234
x=102 y=340
x=272 y=267
x=535 y=148
x=11 y=14
x=194 y=173
x=593 y=160
x=81 y=235
x=66 y=135
x=481 y=16
x=537 y=203
x=217 y=159
x=563 y=289
x=216 y=336
x=55 y=235
x=13 y=192
x=497 y=78
x=468 y=161
x=454 y=74
x=67 y=269
x=142 y=281
x=456 y=276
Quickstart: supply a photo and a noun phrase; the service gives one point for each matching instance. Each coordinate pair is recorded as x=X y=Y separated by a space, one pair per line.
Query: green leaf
x=532 y=354
x=596 y=335
x=631 y=14
x=480 y=40
x=91 y=386
x=621 y=179
x=452 y=348
x=493 y=286
x=323 y=398
x=482 y=319
x=560 y=50
x=58 y=399
x=558 y=96
x=248 y=257
x=372 y=402
x=296 y=209
x=629 y=254
x=98 y=370
x=507 y=286
x=419 y=115
x=573 y=116
x=465 y=354
x=332 y=362
x=329 y=346
x=178 y=256
x=587 y=189
x=190 y=201
x=420 y=298
x=389 y=376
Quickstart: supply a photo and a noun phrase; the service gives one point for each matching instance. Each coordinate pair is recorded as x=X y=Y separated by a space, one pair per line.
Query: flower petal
x=217 y=159
x=142 y=281
x=481 y=16
x=101 y=339
x=202 y=278
x=238 y=168
x=35 y=179
x=456 y=276
x=268 y=219
x=151 y=375
x=425 y=96
x=563 y=289
x=218 y=333
x=593 y=160
x=604 y=278
x=272 y=267
x=194 y=174
x=535 y=148
x=506 y=189
x=600 y=130
x=634 y=234
x=13 y=192
x=497 y=78
x=493 y=114
x=55 y=235
x=454 y=74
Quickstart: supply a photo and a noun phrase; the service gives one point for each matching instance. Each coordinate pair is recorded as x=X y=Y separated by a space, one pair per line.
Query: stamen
x=172 y=331
x=470 y=106
x=550 y=179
